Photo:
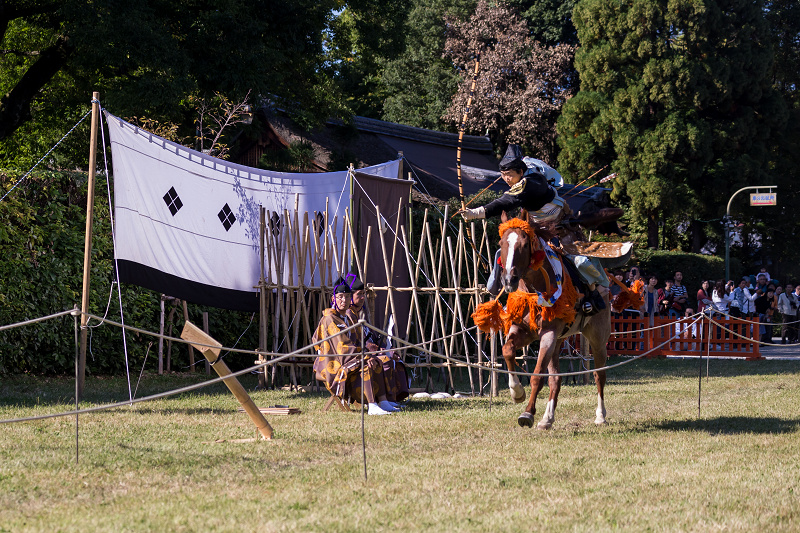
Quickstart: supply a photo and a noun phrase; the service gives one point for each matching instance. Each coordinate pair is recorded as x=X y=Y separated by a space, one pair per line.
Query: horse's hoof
x=518 y=394
x=600 y=417
x=544 y=425
x=525 y=420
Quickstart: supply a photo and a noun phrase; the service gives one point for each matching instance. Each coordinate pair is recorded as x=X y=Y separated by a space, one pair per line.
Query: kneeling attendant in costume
x=394 y=371
x=340 y=358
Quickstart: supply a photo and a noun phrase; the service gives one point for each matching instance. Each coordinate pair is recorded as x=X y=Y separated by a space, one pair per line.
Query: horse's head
x=515 y=249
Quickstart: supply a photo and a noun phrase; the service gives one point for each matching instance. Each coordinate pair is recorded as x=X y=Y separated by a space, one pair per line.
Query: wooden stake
x=194 y=334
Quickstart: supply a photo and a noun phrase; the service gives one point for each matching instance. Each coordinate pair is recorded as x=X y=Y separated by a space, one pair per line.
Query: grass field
x=442 y=465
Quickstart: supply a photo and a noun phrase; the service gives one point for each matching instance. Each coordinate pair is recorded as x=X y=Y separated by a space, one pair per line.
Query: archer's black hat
x=341 y=285
x=355 y=283
x=513 y=159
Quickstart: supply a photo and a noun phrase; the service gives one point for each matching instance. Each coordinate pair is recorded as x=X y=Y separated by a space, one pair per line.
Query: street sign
x=763 y=198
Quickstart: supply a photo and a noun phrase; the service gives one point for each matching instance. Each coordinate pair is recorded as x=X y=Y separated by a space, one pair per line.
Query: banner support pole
x=87 y=246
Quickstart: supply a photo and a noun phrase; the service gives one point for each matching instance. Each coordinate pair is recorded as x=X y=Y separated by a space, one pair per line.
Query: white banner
x=188 y=222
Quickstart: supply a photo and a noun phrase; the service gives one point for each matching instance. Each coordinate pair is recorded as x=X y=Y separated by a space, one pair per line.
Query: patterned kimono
x=394 y=371
x=339 y=361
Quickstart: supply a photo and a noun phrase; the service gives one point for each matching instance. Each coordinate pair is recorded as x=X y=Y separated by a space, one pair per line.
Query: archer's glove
x=471 y=214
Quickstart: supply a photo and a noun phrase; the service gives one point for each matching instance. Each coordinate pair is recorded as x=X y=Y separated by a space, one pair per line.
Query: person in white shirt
x=787 y=305
x=743 y=297
x=722 y=297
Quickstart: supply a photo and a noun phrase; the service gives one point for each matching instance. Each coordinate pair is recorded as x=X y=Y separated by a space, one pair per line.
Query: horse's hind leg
x=598 y=334
x=600 y=379
x=554 y=382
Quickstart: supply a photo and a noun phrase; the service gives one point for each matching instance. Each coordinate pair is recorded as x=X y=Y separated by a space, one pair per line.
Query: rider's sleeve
x=531 y=193
x=508 y=202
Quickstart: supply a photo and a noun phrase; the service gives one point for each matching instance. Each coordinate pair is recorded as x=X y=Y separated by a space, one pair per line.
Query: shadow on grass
x=733 y=425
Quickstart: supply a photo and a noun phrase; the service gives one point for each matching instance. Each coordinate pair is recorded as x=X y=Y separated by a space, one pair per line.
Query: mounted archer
x=531 y=190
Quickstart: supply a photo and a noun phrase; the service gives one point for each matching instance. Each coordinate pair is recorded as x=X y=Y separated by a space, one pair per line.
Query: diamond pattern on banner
x=226 y=217
x=173 y=201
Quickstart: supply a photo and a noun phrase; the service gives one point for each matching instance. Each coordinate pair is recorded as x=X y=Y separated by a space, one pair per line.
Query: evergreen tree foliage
x=360 y=41
x=781 y=224
x=146 y=57
x=420 y=83
x=676 y=96
x=549 y=21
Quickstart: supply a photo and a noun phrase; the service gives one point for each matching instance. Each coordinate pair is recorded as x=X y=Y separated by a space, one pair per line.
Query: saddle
x=610 y=254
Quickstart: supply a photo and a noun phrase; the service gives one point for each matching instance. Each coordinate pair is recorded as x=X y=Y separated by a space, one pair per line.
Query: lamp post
x=728 y=220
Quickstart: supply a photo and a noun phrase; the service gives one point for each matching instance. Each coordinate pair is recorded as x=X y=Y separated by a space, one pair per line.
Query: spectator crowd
x=757 y=297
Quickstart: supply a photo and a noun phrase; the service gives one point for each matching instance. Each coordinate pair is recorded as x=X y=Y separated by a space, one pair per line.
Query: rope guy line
x=180 y=390
x=45 y=155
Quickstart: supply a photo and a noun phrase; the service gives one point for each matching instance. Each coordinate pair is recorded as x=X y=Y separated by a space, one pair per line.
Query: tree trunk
x=652 y=231
x=15 y=107
x=698 y=237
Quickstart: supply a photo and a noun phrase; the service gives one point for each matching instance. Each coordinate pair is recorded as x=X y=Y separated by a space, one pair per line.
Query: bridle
x=538 y=254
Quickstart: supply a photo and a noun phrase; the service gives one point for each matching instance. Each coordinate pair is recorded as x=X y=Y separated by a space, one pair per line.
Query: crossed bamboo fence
x=303 y=253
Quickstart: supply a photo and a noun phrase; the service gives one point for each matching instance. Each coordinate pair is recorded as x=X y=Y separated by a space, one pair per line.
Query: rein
x=538 y=255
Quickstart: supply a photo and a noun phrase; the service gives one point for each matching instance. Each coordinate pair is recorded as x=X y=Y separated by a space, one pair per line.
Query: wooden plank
x=196 y=337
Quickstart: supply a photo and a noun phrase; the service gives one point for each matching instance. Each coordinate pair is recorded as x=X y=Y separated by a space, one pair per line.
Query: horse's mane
x=545 y=230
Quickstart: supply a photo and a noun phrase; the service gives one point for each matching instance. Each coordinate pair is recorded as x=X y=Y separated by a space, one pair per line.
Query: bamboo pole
x=476 y=302
x=414 y=295
x=366 y=251
x=191 y=350
x=493 y=374
x=161 y=338
x=461 y=129
x=460 y=317
x=205 y=328
x=438 y=312
x=389 y=273
x=262 y=291
x=87 y=243
x=194 y=334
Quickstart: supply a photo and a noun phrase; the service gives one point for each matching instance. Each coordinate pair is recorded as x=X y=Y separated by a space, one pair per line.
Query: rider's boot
x=493 y=285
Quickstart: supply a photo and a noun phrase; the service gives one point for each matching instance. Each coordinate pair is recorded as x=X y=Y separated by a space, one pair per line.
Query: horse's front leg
x=513 y=342
x=554 y=382
x=547 y=340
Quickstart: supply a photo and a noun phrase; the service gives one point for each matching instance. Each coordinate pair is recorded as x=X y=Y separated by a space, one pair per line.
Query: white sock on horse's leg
x=600 y=414
x=549 y=415
x=517 y=390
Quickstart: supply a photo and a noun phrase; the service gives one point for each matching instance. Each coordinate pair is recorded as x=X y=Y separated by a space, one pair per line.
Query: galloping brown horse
x=531 y=268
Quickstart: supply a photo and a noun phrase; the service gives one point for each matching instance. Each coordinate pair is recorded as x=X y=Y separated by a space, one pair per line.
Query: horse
x=527 y=276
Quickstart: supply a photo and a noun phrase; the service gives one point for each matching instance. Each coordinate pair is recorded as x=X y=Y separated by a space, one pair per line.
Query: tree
x=549 y=21
x=781 y=223
x=360 y=41
x=676 y=97
x=522 y=84
x=419 y=84
x=146 y=57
